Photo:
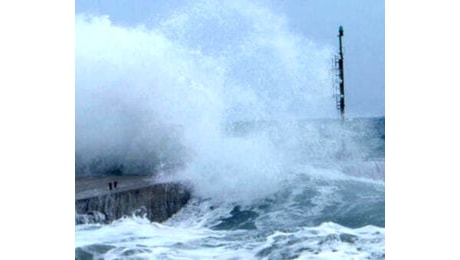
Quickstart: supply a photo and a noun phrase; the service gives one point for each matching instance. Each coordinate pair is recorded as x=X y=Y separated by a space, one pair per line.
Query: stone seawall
x=95 y=202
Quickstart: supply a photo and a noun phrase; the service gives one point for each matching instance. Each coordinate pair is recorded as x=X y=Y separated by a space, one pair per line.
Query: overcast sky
x=364 y=36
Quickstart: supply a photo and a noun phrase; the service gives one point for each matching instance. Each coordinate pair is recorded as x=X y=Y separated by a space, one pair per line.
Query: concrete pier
x=100 y=200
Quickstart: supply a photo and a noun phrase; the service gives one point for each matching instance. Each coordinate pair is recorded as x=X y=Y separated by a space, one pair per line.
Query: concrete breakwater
x=100 y=200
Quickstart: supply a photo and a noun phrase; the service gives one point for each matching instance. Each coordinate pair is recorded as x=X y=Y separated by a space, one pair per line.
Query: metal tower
x=340 y=96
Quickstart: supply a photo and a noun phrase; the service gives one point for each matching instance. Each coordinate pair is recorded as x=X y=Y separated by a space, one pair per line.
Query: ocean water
x=226 y=98
x=325 y=209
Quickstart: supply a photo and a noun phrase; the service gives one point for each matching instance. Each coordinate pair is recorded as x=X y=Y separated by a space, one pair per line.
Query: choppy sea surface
x=323 y=206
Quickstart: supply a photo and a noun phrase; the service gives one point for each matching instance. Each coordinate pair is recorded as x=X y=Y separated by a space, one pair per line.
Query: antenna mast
x=340 y=97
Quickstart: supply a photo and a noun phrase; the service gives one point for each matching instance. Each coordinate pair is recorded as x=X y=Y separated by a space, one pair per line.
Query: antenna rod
x=342 y=82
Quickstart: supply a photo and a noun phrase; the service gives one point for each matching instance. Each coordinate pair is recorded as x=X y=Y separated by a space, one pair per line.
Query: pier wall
x=157 y=202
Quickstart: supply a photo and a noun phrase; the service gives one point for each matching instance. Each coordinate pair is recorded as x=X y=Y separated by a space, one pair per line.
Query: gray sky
x=364 y=36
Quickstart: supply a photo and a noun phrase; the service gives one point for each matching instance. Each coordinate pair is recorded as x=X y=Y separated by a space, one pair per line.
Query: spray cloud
x=170 y=97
